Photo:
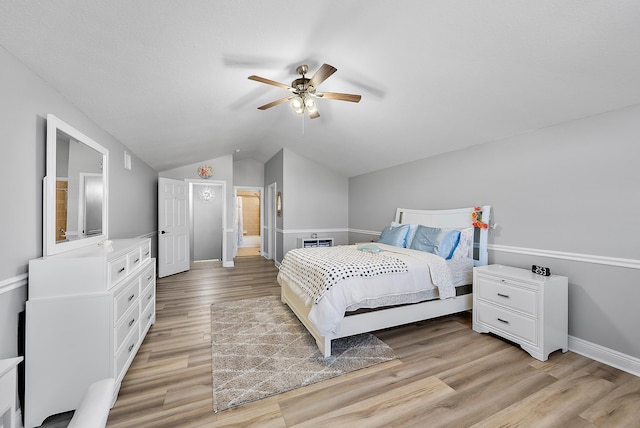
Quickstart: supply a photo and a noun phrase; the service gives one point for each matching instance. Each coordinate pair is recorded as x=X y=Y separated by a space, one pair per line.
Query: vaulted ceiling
x=168 y=78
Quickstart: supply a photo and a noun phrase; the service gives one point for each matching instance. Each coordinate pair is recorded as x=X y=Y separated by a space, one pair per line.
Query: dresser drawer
x=147 y=316
x=145 y=252
x=127 y=352
x=126 y=298
x=148 y=277
x=134 y=260
x=508 y=294
x=117 y=270
x=128 y=323
x=147 y=297
x=521 y=326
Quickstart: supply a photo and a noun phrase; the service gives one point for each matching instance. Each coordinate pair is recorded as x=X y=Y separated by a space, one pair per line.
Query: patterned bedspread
x=316 y=270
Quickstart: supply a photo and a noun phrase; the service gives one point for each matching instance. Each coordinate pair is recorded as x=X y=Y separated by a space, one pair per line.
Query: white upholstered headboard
x=458 y=218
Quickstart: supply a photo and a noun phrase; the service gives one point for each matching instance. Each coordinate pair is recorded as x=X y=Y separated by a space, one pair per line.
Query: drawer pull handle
x=150 y=296
x=136 y=260
x=146 y=254
x=506 y=296
x=149 y=277
x=149 y=317
x=503 y=321
x=131 y=297
x=131 y=347
x=120 y=271
x=132 y=321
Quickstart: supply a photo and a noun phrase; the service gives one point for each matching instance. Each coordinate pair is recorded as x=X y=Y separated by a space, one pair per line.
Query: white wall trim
x=605 y=355
x=314 y=230
x=365 y=232
x=585 y=258
x=13 y=283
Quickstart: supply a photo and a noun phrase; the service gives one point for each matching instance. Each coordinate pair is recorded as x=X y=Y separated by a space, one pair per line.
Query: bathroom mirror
x=75 y=189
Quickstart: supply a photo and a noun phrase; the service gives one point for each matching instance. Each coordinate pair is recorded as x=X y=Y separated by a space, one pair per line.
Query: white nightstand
x=523 y=307
x=8 y=391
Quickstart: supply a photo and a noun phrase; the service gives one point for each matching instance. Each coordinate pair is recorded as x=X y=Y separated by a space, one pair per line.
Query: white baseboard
x=604 y=355
x=228 y=263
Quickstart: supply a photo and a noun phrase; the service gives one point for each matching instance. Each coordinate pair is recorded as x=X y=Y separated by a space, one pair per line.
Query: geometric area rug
x=259 y=348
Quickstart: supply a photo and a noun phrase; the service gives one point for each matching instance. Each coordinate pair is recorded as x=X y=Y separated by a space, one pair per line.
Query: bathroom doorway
x=249 y=214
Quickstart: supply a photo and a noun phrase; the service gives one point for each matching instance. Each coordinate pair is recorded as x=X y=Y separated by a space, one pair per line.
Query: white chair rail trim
x=585 y=258
x=337 y=230
x=13 y=283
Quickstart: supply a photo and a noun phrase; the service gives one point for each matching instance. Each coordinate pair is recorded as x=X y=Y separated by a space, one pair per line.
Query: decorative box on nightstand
x=521 y=306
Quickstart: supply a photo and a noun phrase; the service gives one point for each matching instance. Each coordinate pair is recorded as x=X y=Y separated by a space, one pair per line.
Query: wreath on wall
x=205 y=171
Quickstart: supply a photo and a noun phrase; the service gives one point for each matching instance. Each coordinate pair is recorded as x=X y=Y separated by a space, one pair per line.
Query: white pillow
x=463 y=250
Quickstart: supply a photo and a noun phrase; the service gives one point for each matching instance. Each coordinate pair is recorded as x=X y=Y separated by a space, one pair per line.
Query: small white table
x=8 y=391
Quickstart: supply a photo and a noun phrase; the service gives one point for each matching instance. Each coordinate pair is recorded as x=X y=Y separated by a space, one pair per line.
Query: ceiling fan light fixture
x=310 y=104
x=297 y=105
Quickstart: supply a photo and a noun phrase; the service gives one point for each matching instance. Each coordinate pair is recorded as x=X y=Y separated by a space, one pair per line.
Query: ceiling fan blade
x=338 y=96
x=275 y=103
x=271 y=82
x=314 y=115
x=321 y=75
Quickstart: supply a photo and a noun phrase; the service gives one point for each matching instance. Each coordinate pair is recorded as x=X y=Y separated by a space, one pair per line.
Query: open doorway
x=207 y=220
x=249 y=214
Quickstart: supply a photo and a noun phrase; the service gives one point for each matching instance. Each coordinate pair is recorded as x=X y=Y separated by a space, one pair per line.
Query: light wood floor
x=446 y=374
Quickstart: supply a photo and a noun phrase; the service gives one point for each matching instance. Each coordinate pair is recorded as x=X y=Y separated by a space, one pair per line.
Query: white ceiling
x=168 y=78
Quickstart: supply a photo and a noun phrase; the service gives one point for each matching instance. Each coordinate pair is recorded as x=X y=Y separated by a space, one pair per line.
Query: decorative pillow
x=463 y=249
x=396 y=236
x=410 y=235
x=437 y=241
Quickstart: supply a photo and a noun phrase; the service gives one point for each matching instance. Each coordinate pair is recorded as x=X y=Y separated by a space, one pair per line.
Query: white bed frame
x=406 y=314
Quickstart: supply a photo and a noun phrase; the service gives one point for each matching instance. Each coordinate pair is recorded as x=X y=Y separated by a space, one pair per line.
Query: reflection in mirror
x=76 y=185
x=78 y=189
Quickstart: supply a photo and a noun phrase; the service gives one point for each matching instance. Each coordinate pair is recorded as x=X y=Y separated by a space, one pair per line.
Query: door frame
x=260 y=191
x=271 y=221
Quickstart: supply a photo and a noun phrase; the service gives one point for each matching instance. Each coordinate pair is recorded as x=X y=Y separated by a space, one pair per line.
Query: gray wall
x=314 y=200
x=565 y=197
x=24 y=104
x=273 y=173
x=248 y=172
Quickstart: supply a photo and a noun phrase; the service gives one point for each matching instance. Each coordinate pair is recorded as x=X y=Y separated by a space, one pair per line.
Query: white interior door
x=173 y=236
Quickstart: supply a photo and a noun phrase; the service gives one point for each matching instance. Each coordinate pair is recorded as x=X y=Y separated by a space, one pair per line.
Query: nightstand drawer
x=507 y=321
x=506 y=294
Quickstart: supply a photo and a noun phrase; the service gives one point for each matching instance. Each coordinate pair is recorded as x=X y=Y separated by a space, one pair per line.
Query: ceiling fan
x=304 y=94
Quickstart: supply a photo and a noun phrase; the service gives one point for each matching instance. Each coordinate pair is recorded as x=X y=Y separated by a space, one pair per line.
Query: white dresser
x=528 y=309
x=87 y=314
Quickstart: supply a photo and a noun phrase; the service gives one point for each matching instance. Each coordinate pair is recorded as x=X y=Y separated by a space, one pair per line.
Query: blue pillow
x=396 y=236
x=437 y=241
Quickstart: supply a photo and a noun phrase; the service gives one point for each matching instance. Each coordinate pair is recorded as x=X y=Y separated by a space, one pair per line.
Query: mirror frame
x=49 y=244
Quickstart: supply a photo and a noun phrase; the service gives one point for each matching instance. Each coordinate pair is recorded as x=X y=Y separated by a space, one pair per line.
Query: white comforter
x=425 y=271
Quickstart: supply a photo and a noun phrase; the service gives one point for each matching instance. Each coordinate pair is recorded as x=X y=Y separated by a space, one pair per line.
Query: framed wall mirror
x=279 y=204
x=75 y=189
